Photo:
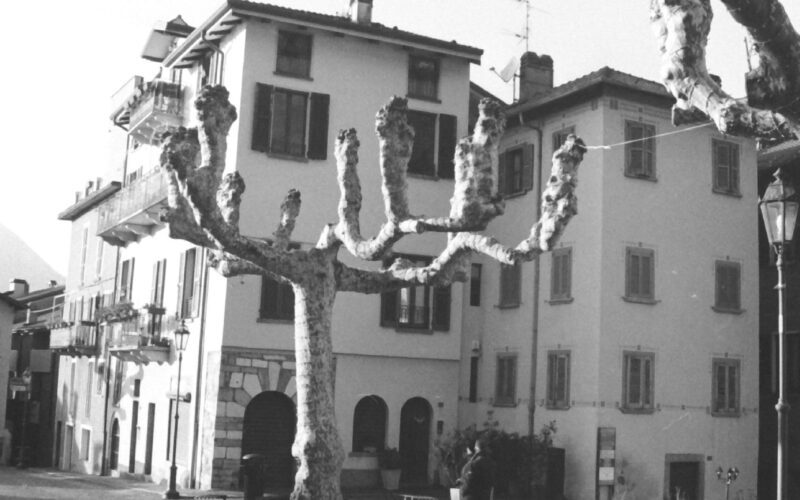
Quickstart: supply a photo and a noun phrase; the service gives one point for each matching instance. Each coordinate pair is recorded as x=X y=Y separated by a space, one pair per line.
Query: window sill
x=649 y=178
x=286 y=156
x=292 y=75
x=557 y=407
x=725 y=310
x=427 y=177
x=518 y=194
x=640 y=300
x=726 y=414
x=514 y=305
x=637 y=411
x=423 y=98
x=412 y=329
x=558 y=302
x=732 y=194
x=275 y=320
x=504 y=404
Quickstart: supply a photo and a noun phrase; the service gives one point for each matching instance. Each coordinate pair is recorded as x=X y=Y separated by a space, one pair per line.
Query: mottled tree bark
x=204 y=210
x=772 y=112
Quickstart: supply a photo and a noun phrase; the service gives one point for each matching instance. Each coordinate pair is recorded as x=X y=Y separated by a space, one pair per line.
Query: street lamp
x=181 y=335
x=728 y=477
x=779 y=209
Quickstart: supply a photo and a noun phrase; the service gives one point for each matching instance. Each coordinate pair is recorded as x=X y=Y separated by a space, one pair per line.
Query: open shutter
x=269 y=298
x=261 y=117
x=422 y=154
x=527 y=167
x=181 y=275
x=501 y=172
x=198 y=273
x=130 y=280
x=447 y=146
x=441 y=308
x=734 y=168
x=318 y=127
x=389 y=308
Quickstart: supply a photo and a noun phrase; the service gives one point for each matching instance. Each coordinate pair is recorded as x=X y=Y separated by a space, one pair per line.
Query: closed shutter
x=181 y=276
x=527 y=167
x=130 y=280
x=198 y=274
x=447 y=146
x=261 y=117
x=389 y=308
x=154 y=283
x=502 y=160
x=269 y=296
x=734 y=188
x=441 y=308
x=422 y=154
x=318 y=127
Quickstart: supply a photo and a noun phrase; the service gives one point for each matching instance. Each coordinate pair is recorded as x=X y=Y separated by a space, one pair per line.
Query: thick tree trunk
x=317 y=445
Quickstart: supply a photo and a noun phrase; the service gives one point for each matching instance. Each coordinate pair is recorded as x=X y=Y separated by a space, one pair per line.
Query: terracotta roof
x=85 y=204
x=228 y=13
x=603 y=76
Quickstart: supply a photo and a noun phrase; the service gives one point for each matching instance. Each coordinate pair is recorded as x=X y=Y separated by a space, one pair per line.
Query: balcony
x=148 y=109
x=141 y=338
x=77 y=338
x=133 y=212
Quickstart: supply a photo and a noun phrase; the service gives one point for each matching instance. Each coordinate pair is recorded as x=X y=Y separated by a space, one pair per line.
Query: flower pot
x=391 y=479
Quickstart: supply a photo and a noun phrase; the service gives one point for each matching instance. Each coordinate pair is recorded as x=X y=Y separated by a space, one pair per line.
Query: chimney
x=535 y=75
x=361 y=11
x=18 y=287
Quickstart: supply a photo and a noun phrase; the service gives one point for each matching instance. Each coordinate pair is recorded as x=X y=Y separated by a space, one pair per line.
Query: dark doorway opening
x=415 y=432
x=270 y=421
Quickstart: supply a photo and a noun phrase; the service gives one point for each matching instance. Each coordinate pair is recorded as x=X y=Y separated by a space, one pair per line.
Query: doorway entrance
x=415 y=433
x=683 y=477
x=270 y=422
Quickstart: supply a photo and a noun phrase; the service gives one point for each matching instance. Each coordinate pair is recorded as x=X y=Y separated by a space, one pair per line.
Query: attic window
x=423 y=77
x=294 y=54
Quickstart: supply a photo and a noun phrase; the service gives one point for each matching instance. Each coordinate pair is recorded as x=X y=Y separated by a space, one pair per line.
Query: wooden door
x=415 y=431
x=270 y=422
x=684 y=481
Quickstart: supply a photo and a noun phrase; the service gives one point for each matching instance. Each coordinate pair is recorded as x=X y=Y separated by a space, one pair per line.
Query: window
x=506 y=388
x=157 y=290
x=475 y=285
x=429 y=157
x=277 y=300
x=294 y=54
x=190 y=272
x=125 y=287
x=637 y=381
x=560 y=137
x=87 y=410
x=561 y=275
x=725 y=399
x=420 y=307
x=119 y=373
x=73 y=403
x=84 y=251
x=515 y=171
x=423 y=77
x=640 y=155
x=725 y=158
x=209 y=70
x=558 y=379
x=369 y=425
x=290 y=123
x=728 y=285
x=639 y=270
x=474 y=362
x=98 y=270
x=86 y=443
x=101 y=375
x=510 y=278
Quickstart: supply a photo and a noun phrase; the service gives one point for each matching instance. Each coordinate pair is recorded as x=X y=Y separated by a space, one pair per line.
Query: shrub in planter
x=389 y=459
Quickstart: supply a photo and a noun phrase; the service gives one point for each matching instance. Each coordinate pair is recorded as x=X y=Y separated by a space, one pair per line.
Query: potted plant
x=389 y=462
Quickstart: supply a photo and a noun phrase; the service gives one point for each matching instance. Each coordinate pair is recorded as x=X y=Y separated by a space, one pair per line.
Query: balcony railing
x=77 y=338
x=156 y=108
x=134 y=210
x=141 y=338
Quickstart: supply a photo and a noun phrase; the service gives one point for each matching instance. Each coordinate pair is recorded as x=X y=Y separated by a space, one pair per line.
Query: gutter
x=199 y=378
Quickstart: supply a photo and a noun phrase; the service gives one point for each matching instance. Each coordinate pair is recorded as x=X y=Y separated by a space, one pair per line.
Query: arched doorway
x=270 y=421
x=415 y=432
x=369 y=424
x=113 y=457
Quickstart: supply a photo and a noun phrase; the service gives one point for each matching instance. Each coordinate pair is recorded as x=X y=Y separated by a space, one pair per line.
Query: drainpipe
x=198 y=380
x=217 y=68
x=536 y=287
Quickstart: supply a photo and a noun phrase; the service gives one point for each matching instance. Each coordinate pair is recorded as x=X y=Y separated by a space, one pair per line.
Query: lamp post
x=181 y=338
x=728 y=477
x=779 y=209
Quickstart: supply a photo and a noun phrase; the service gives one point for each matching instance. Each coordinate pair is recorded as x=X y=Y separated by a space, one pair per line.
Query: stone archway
x=270 y=421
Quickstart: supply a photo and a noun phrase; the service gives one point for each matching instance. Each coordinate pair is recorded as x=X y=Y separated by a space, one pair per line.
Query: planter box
x=391 y=479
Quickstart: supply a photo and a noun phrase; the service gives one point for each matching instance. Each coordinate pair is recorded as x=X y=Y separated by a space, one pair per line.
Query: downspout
x=217 y=68
x=536 y=283
x=198 y=379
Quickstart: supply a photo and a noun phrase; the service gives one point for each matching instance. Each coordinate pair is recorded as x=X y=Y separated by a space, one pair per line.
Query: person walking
x=477 y=476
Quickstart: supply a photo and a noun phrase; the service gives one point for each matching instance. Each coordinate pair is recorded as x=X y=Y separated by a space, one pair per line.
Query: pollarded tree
x=204 y=210
x=772 y=110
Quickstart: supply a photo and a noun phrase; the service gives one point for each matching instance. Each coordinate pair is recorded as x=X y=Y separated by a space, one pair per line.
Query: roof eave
x=82 y=206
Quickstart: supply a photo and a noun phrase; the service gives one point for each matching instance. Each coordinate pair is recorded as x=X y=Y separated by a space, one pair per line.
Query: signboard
x=606 y=455
x=18 y=384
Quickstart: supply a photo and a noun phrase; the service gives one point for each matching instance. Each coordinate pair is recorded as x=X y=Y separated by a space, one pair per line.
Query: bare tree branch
x=290 y=209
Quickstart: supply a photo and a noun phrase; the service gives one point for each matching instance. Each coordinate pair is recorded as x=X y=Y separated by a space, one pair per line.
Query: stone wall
x=244 y=373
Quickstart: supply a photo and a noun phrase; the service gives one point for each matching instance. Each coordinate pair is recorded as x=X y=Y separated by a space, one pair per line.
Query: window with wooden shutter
x=474 y=363
x=422 y=154
x=294 y=54
x=418 y=307
x=125 y=285
x=441 y=308
x=510 y=280
x=186 y=282
x=475 y=285
x=640 y=279
x=728 y=285
x=561 y=275
x=637 y=381
x=277 y=300
x=725 y=384
x=423 y=77
x=447 y=146
x=262 y=118
x=725 y=165
x=318 y=127
x=558 y=379
x=288 y=133
x=197 y=276
x=560 y=137
x=506 y=382
x=157 y=290
x=640 y=150
x=515 y=170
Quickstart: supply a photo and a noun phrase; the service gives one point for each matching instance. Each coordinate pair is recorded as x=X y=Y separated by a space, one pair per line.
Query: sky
x=68 y=58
